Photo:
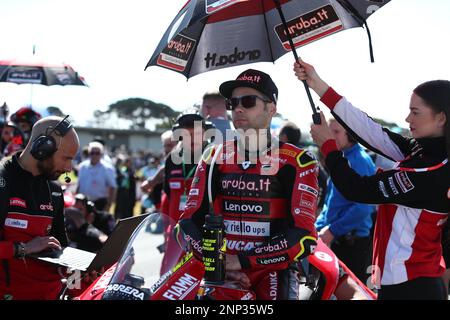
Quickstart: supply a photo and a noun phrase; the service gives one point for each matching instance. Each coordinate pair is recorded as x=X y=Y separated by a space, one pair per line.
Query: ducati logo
x=246 y=165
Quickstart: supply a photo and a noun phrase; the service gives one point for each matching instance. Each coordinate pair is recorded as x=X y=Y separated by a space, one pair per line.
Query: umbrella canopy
x=39 y=72
x=208 y=35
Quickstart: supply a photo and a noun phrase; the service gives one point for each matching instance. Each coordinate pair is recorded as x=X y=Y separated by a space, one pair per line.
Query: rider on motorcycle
x=266 y=191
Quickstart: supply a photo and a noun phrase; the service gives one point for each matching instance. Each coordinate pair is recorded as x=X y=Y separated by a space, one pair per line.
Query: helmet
x=26 y=114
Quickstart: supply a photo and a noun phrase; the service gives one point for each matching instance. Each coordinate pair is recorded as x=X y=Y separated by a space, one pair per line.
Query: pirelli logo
x=289 y=153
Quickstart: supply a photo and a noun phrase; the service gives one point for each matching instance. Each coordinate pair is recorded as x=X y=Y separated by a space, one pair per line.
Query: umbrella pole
x=31 y=96
x=315 y=115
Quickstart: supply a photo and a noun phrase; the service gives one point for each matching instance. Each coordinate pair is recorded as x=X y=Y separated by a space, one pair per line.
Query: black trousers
x=354 y=253
x=100 y=204
x=416 y=289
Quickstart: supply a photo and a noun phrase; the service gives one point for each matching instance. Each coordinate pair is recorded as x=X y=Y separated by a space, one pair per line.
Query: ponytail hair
x=436 y=94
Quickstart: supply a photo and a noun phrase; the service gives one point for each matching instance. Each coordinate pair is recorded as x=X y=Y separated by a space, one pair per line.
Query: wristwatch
x=19 y=250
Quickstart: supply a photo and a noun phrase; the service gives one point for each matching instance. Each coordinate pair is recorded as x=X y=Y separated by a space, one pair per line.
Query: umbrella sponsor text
x=216 y=60
x=176 y=54
x=25 y=76
x=310 y=26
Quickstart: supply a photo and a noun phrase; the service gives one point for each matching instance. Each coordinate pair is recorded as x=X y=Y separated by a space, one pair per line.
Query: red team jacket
x=414 y=196
x=29 y=207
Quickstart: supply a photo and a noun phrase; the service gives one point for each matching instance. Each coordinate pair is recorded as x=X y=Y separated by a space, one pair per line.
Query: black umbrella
x=39 y=72
x=208 y=35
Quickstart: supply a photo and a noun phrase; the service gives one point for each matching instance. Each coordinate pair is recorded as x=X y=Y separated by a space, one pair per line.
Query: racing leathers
x=30 y=206
x=414 y=196
x=268 y=206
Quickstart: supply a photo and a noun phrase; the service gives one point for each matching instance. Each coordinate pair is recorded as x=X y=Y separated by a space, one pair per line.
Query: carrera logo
x=127 y=291
x=175 y=185
x=403 y=181
x=182 y=287
x=309 y=189
x=216 y=60
x=247 y=207
x=17 y=202
x=216 y=5
x=240 y=245
x=46 y=207
x=273 y=260
x=247 y=228
x=272 y=248
x=177 y=53
x=16 y=223
x=309 y=27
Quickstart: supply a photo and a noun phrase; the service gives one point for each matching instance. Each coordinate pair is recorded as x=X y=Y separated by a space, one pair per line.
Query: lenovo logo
x=17 y=202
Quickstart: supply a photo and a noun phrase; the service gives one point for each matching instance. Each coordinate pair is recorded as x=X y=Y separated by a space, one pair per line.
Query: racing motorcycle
x=153 y=267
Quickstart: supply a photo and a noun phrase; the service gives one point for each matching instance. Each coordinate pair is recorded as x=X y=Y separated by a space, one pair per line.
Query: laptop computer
x=109 y=254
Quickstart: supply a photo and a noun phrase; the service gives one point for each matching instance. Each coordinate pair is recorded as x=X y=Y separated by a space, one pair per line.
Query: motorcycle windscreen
x=151 y=251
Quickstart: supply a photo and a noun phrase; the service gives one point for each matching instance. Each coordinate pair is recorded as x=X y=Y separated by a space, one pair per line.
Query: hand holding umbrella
x=306 y=72
x=321 y=132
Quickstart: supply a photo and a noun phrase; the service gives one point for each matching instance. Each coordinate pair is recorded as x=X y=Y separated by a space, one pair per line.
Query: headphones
x=44 y=146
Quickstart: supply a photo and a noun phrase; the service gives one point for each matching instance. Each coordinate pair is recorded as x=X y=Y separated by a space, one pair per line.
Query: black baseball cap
x=187 y=119
x=252 y=79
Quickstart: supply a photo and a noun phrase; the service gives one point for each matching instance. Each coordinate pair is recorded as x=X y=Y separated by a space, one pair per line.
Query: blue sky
x=110 y=42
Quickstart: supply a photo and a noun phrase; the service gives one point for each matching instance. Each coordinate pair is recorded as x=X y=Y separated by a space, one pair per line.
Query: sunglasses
x=95 y=153
x=246 y=102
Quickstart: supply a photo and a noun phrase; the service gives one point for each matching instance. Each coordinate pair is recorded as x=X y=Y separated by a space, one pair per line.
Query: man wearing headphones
x=31 y=210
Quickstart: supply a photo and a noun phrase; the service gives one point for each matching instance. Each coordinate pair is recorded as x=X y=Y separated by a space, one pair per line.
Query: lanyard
x=186 y=177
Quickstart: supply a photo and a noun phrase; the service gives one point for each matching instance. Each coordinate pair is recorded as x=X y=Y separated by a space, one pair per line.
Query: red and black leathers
x=268 y=207
x=30 y=206
x=414 y=196
x=177 y=182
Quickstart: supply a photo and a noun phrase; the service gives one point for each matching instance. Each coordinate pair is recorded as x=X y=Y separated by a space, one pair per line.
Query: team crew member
x=24 y=119
x=31 y=210
x=180 y=168
x=266 y=192
x=414 y=196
